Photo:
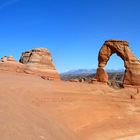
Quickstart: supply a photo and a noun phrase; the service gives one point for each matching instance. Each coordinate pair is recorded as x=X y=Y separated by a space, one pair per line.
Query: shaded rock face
x=131 y=63
x=36 y=62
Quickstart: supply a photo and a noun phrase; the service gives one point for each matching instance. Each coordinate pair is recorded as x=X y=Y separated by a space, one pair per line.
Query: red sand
x=35 y=109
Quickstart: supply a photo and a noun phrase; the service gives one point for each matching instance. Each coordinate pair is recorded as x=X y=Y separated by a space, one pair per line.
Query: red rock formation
x=131 y=63
x=39 y=58
x=39 y=62
x=7 y=59
x=10 y=64
x=36 y=62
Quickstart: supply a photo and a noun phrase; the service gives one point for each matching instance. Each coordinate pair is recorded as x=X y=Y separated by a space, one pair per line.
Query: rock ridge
x=37 y=61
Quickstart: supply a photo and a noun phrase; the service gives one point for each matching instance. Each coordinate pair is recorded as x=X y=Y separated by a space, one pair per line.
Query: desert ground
x=32 y=108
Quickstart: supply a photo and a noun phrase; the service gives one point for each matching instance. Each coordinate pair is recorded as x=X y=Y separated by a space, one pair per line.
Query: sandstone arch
x=131 y=63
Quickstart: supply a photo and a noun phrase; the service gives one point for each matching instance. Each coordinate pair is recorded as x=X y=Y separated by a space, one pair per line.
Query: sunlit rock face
x=35 y=62
x=131 y=63
x=39 y=61
x=8 y=59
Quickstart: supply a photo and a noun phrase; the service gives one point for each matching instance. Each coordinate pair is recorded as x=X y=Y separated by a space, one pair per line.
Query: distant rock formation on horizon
x=131 y=63
x=36 y=62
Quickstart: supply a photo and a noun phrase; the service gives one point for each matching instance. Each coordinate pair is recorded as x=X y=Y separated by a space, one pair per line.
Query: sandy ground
x=35 y=109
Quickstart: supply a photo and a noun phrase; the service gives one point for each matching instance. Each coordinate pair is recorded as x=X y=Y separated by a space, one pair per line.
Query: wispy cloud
x=9 y=2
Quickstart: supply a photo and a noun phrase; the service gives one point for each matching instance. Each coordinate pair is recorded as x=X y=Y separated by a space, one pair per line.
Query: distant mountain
x=79 y=72
x=114 y=70
x=88 y=71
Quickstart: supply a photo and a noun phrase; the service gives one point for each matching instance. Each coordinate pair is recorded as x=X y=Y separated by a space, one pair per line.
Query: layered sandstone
x=39 y=61
x=36 y=62
x=38 y=57
x=131 y=63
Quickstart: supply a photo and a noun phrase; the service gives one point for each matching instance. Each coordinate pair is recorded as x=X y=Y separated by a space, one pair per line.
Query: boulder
x=131 y=62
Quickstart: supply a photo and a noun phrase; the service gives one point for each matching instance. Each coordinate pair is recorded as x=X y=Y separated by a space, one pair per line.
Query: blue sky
x=73 y=30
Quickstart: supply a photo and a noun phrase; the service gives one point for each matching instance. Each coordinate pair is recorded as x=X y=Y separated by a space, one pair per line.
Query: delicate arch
x=131 y=63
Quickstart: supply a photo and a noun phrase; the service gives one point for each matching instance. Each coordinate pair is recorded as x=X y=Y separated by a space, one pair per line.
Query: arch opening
x=115 y=69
